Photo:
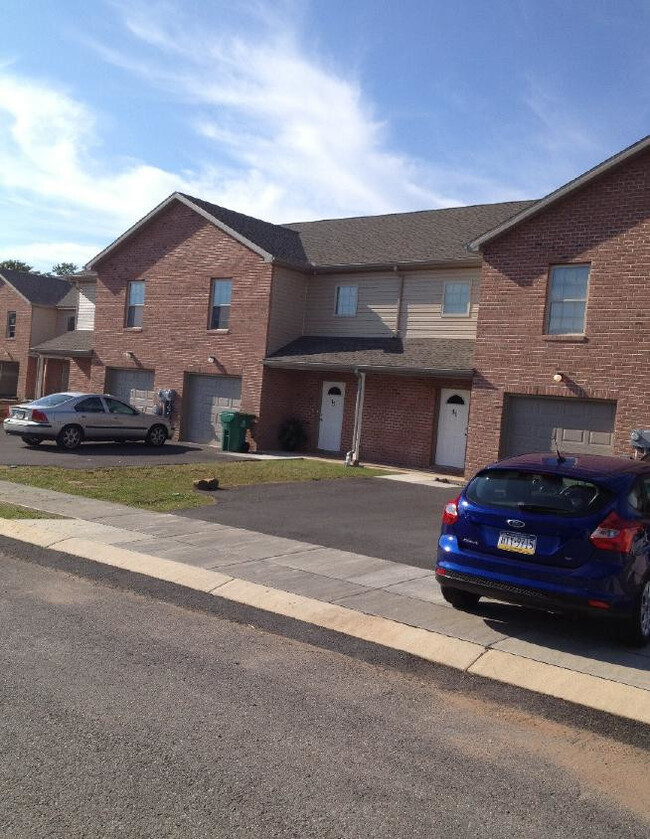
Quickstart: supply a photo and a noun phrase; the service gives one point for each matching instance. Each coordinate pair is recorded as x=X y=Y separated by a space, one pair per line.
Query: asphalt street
x=127 y=716
x=387 y=519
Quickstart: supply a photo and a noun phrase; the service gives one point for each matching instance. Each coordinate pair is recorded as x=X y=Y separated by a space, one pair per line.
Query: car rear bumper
x=531 y=584
x=27 y=428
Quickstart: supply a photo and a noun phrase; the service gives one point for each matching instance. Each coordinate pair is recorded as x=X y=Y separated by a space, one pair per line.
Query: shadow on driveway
x=90 y=455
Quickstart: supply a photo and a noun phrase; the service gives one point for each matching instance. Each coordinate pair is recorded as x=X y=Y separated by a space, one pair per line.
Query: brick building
x=361 y=328
x=34 y=308
x=563 y=340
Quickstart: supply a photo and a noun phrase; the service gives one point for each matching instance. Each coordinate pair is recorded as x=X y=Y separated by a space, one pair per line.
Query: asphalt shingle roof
x=77 y=342
x=69 y=300
x=434 y=355
x=39 y=289
x=279 y=241
x=423 y=236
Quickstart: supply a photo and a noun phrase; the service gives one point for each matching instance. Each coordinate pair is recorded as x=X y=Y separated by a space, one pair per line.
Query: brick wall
x=177 y=254
x=607 y=225
x=399 y=414
x=17 y=348
x=81 y=377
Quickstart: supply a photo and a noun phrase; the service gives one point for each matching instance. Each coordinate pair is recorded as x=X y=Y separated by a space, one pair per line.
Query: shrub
x=292 y=435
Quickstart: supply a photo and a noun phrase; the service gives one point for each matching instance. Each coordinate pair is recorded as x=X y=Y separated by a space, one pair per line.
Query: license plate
x=519 y=543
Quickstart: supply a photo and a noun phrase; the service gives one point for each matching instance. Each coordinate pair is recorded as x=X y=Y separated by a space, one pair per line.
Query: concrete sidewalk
x=386 y=602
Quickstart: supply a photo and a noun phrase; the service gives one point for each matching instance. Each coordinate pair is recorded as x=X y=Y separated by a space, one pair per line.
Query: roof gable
x=422 y=237
x=270 y=241
x=37 y=289
x=562 y=192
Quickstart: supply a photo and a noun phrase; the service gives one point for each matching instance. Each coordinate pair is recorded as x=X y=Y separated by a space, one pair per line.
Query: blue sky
x=293 y=110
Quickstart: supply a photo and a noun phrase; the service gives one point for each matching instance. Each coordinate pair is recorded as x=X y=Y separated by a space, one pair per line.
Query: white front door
x=452 y=428
x=331 y=416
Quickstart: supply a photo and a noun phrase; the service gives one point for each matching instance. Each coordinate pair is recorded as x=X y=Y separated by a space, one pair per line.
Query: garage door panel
x=536 y=424
x=207 y=397
x=133 y=386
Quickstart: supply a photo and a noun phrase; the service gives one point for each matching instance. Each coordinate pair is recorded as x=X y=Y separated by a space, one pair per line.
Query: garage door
x=579 y=425
x=133 y=386
x=207 y=397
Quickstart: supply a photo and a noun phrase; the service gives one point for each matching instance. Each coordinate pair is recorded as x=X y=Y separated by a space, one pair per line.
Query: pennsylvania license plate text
x=519 y=543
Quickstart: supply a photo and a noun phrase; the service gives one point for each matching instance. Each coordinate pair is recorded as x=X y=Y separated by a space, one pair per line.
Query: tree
x=15 y=265
x=62 y=269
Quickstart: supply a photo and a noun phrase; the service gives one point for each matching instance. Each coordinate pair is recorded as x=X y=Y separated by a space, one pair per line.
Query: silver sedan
x=71 y=418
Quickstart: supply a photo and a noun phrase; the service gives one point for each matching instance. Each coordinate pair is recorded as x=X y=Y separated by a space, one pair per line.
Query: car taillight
x=39 y=416
x=450 y=513
x=615 y=534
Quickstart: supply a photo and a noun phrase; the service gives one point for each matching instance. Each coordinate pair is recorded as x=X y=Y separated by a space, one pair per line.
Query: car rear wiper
x=538 y=508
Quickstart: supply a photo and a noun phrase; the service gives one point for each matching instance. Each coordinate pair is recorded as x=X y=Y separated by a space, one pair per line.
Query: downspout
x=39 y=376
x=400 y=297
x=352 y=457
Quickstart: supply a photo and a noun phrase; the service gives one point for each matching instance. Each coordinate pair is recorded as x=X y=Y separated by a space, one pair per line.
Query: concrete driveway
x=91 y=455
x=387 y=519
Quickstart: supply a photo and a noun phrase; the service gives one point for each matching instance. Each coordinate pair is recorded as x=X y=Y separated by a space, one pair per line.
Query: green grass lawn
x=164 y=488
x=12 y=511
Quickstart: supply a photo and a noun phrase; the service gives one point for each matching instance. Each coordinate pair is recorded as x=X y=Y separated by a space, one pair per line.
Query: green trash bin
x=235 y=425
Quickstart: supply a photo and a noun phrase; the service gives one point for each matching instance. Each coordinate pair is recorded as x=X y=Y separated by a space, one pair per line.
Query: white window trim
x=468 y=313
x=547 y=316
x=130 y=305
x=214 y=280
x=356 y=300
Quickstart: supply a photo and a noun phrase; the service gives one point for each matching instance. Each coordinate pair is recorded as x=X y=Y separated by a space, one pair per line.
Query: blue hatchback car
x=563 y=533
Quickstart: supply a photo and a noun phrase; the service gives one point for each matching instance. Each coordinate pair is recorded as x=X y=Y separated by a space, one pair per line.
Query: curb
x=599 y=694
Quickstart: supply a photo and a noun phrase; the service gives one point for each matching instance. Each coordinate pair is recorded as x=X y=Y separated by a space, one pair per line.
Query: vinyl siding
x=86 y=306
x=62 y=316
x=422 y=305
x=376 y=306
x=43 y=325
x=287 y=311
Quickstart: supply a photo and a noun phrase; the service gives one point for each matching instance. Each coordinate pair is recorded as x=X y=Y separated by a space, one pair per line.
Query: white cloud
x=303 y=140
x=285 y=137
x=43 y=255
x=50 y=151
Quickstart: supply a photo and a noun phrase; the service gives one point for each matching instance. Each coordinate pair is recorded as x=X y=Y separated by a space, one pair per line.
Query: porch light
x=128 y=354
x=558 y=377
x=212 y=359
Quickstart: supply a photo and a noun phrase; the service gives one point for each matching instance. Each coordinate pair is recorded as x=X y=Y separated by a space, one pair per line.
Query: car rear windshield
x=537 y=492
x=51 y=400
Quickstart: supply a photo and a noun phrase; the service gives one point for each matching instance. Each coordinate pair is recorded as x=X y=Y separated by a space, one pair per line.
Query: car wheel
x=70 y=437
x=635 y=630
x=460 y=599
x=156 y=436
x=32 y=441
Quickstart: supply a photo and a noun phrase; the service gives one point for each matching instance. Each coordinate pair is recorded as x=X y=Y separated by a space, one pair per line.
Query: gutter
x=468 y=261
x=466 y=373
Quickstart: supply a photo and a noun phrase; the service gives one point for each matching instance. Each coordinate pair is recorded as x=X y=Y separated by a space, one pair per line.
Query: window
x=11 y=324
x=456 y=298
x=117 y=407
x=220 y=307
x=511 y=489
x=567 y=299
x=52 y=400
x=135 y=304
x=71 y=323
x=346 y=301
x=91 y=405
